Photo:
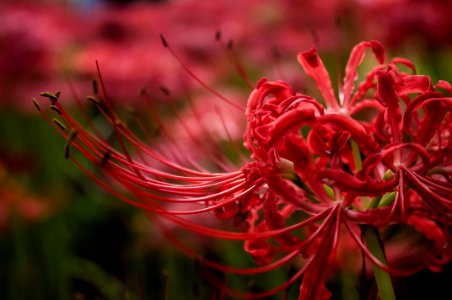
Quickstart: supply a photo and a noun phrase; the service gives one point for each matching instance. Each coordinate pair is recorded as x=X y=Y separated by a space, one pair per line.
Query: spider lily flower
x=319 y=170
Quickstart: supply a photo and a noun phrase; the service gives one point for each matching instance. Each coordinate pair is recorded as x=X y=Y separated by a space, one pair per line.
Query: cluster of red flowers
x=43 y=44
x=376 y=155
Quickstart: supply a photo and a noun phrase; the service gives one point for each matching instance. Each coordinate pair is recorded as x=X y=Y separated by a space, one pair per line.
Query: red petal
x=291 y=120
x=356 y=58
x=349 y=183
x=347 y=124
x=442 y=84
x=403 y=61
x=414 y=84
x=428 y=228
x=314 y=67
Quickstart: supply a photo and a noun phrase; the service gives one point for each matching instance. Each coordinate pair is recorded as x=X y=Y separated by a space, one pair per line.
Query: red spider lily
x=41 y=44
x=376 y=155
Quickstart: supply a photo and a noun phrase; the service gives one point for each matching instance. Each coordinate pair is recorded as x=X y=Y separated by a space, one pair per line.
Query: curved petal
x=355 y=59
x=314 y=67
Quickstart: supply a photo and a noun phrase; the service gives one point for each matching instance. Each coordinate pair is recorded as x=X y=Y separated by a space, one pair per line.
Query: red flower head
x=376 y=155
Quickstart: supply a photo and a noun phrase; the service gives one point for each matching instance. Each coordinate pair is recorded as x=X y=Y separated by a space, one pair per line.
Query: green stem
x=356 y=155
x=374 y=244
x=382 y=277
x=372 y=237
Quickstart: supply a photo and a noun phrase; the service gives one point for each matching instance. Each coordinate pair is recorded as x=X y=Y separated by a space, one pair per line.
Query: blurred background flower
x=61 y=236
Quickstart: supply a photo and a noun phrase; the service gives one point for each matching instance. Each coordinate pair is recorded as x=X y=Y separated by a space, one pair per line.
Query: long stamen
x=197 y=79
x=115 y=121
x=233 y=58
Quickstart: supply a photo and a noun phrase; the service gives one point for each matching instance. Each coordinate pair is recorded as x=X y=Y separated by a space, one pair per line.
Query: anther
x=93 y=99
x=120 y=123
x=132 y=111
x=105 y=158
x=52 y=96
x=218 y=35
x=165 y=90
x=66 y=151
x=55 y=109
x=230 y=44
x=165 y=44
x=36 y=103
x=95 y=87
x=59 y=124
x=70 y=139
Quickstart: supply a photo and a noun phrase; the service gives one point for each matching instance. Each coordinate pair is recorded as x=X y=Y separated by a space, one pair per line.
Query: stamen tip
x=70 y=139
x=36 y=104
x=66 y=151
x=55 y=109
x=59 y=124
x=165 y=90
x=230 y=44
x=95 y=87
x=93 y=99
x=105 y=158
x=218 y=35
x=132 y=111
x=164 y=42
x=52 y=96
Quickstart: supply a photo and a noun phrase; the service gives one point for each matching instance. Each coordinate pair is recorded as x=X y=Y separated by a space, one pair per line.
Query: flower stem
x=372 y=238
x=382 y=277
x=356 y=155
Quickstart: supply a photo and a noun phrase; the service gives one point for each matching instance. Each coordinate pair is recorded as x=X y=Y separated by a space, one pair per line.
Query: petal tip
x=310 y=57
